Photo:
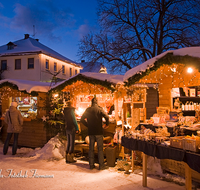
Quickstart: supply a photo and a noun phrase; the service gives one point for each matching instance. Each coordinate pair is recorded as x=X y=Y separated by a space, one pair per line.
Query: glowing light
x=173 y=69
x=79 y=111
x=55 y=95
x=189 y=70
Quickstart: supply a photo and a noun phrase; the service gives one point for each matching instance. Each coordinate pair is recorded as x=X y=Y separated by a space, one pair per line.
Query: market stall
x=81 y=88
x=175 y=75
x=31 y=97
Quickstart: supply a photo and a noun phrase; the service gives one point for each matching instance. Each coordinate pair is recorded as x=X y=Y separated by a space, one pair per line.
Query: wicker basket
x=177 y=142
x=191 y=144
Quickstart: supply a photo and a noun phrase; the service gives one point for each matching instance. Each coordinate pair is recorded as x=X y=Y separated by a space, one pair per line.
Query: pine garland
x=168 y=59
x=80 y=77
x=15 y=87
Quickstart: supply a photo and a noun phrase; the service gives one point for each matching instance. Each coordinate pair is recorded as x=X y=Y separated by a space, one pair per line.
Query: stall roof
x=188 y=51
x=91 y=77
x=28 y=86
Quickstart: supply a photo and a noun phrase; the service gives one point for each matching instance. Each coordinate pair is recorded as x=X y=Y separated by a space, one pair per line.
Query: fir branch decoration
x=15 y=87
x=80 y=77
x=168 y=59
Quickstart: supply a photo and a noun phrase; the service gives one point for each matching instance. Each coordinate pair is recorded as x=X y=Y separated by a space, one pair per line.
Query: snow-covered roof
x=31 y=46
x=190 y=51
x=101 y=77
x=28 y=86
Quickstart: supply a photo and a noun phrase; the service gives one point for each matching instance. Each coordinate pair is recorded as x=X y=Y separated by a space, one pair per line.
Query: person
x=14 y=120
x=71 y=128
x=92 y=118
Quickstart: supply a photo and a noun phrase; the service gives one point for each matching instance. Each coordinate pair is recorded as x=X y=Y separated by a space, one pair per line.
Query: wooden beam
x=132 y=162
x=144 y=168
x=188 y=177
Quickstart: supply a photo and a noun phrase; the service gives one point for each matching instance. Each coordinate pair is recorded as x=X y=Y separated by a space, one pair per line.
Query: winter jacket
x=92 y=118
x=69 y=118
x=16 y=118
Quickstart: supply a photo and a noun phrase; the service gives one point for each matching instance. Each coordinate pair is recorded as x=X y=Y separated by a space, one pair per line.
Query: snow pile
x=54 y=149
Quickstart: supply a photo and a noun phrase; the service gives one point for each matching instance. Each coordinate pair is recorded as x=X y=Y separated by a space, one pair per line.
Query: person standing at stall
x=14 y=120
x=71 y=128
x=92 y=118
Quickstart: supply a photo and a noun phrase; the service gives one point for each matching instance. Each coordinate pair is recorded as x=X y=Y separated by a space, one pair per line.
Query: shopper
x=92 y=118
x=71 y=128
x=14 y=120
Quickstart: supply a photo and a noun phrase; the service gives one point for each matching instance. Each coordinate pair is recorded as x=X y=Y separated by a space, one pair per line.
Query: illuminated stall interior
x=31 y=97
x=81 y=91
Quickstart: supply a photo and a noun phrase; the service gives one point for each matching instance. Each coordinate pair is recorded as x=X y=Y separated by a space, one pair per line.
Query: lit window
x=4 y=65
x=17 y=64
x=63 y=69
x=55 y=67
x=70 y=72
x=30 y=63
x=47 y=64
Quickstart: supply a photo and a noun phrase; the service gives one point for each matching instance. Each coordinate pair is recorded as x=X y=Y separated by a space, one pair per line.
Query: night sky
x=58 y=24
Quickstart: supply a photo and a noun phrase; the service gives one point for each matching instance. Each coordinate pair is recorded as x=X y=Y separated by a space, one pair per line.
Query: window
x=17 y=64
x=70 y=72
x=55 y=67
x=63 y=69
x=4 y=65
x=75 y=71
x=30 y=63
x=47 y=64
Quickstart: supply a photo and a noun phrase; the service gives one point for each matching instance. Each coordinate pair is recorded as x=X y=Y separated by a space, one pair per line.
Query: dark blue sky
x=59 y=24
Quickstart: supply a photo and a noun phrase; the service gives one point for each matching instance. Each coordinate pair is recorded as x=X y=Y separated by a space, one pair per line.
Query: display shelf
x=184 y=99
x=189 y=113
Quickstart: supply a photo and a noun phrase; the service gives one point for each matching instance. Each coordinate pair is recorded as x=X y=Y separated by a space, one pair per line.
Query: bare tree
x=133 y=31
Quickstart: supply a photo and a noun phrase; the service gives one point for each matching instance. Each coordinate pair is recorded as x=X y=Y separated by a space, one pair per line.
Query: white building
x=28 y=59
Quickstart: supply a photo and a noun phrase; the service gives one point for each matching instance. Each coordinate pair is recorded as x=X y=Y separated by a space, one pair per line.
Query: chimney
x=26 y=36
x=82 y=61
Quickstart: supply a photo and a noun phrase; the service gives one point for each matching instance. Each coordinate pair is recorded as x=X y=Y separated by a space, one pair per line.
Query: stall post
x=123 y=125
x=144 y=168
x=132 y=152
x=188 y=177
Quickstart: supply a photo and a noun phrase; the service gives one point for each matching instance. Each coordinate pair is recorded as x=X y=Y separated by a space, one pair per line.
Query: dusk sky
x=59 y=24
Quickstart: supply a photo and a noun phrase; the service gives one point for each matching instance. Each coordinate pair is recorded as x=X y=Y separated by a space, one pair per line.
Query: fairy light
x=189 y=70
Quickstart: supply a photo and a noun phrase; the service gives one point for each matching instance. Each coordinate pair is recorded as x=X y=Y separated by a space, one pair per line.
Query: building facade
x=28 y=59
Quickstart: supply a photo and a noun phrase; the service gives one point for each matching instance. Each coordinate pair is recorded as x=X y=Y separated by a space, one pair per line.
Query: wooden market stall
x=81 y=88
x=176 y=74
x=31 y=97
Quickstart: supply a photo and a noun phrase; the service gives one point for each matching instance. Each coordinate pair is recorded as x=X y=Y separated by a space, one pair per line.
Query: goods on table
x=191 y=143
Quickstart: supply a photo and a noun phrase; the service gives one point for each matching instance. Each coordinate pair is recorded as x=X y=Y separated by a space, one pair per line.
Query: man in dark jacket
x=71 y=128
x=92 y=118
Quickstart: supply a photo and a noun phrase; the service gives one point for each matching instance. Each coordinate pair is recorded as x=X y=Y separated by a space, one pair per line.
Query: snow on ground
x=45 y=168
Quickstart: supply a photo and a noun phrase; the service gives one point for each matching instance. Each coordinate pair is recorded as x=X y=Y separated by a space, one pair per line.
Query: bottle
x=192 y=106
x=189 y=106
x=195 y=106
x=186 y=106
x=183 y=107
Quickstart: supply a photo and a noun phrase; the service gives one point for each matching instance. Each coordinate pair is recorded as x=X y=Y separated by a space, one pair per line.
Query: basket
x=177 y=142
x=191 y=145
